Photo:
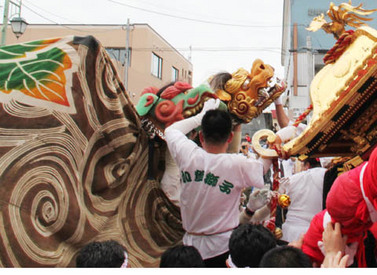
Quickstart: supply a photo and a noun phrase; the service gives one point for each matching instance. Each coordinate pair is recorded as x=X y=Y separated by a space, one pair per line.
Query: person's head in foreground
x=216 y=129
x=181 y=256
x=102 y=254
x=285 y=256
x=247 y=245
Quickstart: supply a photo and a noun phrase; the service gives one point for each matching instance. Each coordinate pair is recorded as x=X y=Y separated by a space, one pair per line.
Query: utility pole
x=311 y=71
x=126 y=63
x=5 y=23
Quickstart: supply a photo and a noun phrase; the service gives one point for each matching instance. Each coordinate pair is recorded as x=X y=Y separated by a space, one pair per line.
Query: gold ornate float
x=343 y=94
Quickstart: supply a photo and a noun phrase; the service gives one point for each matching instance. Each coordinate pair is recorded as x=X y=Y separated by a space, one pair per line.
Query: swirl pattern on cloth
x=77 y=173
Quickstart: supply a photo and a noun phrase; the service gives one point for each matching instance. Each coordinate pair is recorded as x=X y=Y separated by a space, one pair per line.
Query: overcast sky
x=224 y=35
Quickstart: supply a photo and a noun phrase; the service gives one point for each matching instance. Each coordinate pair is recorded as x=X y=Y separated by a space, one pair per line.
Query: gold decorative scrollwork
x=263 y=152
x=243 y=106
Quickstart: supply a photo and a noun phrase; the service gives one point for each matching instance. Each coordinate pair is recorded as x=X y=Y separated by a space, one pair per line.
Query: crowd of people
x=250 y=246
x=224 y=195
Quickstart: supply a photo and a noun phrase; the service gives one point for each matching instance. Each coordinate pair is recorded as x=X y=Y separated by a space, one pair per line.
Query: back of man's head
x=312 y=163
x=181 y=256
x=285 y=256
x=248 y=243
x=101 y=254
x=216 y=126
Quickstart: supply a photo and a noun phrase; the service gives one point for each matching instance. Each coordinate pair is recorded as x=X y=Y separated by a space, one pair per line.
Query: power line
x=192 y=19
x=194 y=49
x=168 y=9
x=149 y=11
x=40 y=15
x=46 y=11
x=65 y=26
x=198 y=49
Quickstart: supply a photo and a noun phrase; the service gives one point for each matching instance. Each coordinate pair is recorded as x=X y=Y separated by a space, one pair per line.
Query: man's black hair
x=329 y=179
x=248 y=243
x=216 y=126
x=313 y=162
x=181 y=256
x=285 y=256
x=101 y=254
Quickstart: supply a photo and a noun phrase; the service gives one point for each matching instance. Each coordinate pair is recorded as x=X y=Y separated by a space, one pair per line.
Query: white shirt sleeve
x=179 y=145
x=186 y=125
x=300 y=128
x=252 y=171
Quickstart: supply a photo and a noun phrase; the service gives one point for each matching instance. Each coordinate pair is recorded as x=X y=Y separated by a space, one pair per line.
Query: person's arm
x=281 y=116
x=284 y=184
x=282 y=136
x=261 y=215
x=283 y=119
x=335 y=261
x=257 y=200
x=188 y=124
x=333 y=243
x=297 y=243
x=175 y=135
x=266 y=164
x=287 y=133
x=234 y=145
x=255 y=217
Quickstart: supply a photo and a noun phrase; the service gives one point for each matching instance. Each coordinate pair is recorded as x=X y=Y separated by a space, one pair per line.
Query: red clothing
x=346 y=205
x=312 y=236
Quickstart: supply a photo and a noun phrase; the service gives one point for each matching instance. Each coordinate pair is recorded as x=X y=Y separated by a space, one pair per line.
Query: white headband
x=231 y=264
x=125 y=263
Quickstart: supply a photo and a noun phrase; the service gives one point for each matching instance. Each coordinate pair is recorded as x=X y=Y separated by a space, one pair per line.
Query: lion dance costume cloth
x=73 y=159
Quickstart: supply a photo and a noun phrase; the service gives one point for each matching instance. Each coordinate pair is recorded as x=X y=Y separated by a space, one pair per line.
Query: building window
x=174 y=74
x=156 y=66
x=120 y=55
x=190 y=77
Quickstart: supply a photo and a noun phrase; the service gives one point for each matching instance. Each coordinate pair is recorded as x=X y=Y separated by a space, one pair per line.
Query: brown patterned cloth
x=73 y=161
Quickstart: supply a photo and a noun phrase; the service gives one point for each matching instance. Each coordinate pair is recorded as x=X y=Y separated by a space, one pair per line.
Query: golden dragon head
x=342 y=15
x=246 y=93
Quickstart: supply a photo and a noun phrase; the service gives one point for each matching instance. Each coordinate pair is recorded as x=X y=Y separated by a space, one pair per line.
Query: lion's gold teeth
x=197 y=108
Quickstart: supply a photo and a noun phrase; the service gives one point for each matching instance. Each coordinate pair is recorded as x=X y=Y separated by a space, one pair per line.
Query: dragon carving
x=159 y=109
x=244 y=94
x=342 y=15
x=247 y=94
